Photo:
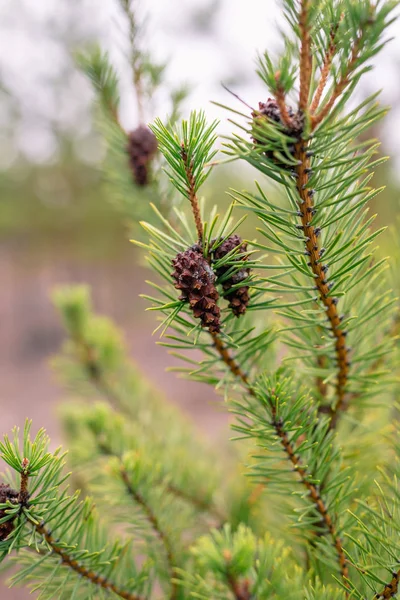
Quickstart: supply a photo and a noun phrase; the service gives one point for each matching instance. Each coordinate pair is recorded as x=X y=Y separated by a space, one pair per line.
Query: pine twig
x=311 y=234
x=23 y=494
x=76 y=566
x=305 y=55
x=340 y=85
x=199 y=503
x=326 y=68
x=192 y=193
x=237 y=371
x=153 y=520
x=239 y=589
x=315 y=495
x=390 y=590
x=231 y=363
x=136 y=65
x=281 y=101
x=94 y=371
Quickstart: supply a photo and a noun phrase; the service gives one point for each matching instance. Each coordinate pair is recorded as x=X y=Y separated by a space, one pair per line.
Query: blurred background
x=57 y=226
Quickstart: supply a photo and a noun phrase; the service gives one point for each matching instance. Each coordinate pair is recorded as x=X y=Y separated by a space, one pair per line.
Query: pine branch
x=192 y=192
x=198 y=503
x=326 y=68
x=340 y=86
x=293 y=421
x=313 y=251
x=240 y=589
x=229 y=360
x=152 y=519
x=80 y=569
x=305 y=55
x=315 y=496
x=390 y=590
x=94 y=370
x=96 y=65
x=43 y=516
x=136 y=56
x=281 y=100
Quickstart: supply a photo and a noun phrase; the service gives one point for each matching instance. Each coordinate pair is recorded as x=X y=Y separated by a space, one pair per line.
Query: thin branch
x=23 y=494
x=79 y=568
x=115 y=116
x=281 y=101
x=231 y=363
x=152 y=519
x=93 y=369
x=199 y=503
x=315 y=496
x=326 y=68
x=390 y=590
x=192 y=193
x=340 y=86
x=239 y=589
x=313 y=249
x=136 y=58
x=238 y=372
x=305 y=55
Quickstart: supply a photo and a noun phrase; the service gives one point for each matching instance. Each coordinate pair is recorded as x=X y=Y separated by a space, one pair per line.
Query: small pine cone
x=196 y=280
x=141 y=148
x=239 y=297
x=270 y=109
x=6 y=493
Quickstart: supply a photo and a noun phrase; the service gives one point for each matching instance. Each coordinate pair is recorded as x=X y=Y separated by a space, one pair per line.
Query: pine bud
x=196 y=280
x=239 y=297
x=6 y=493
x=141 y=148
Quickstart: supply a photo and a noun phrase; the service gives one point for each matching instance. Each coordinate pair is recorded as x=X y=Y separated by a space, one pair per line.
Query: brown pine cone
x=6 y=493
x=196 y=280
x=270 y=109
x=141 y=148
x=239 y=297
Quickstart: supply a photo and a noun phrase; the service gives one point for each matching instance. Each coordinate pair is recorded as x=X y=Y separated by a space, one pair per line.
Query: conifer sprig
x=306 y=445
x=326 y=181
x=187 y=152
x=63 y=547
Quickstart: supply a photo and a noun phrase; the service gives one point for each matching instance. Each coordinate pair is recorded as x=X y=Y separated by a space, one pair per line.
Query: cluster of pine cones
x=141 y=149
x=197 y=281
x=270 y=111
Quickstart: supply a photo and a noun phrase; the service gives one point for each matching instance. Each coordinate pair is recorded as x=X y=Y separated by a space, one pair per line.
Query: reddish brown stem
x=306 y=208
x=339 y=87
x=23 y=488
x=230 y=362
x=390 y=590
x=325 y=68
x=76 y=566
x=240 y=589
x=305 y=55
x=313 y=492
x=281 y=102
x=192 y=193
